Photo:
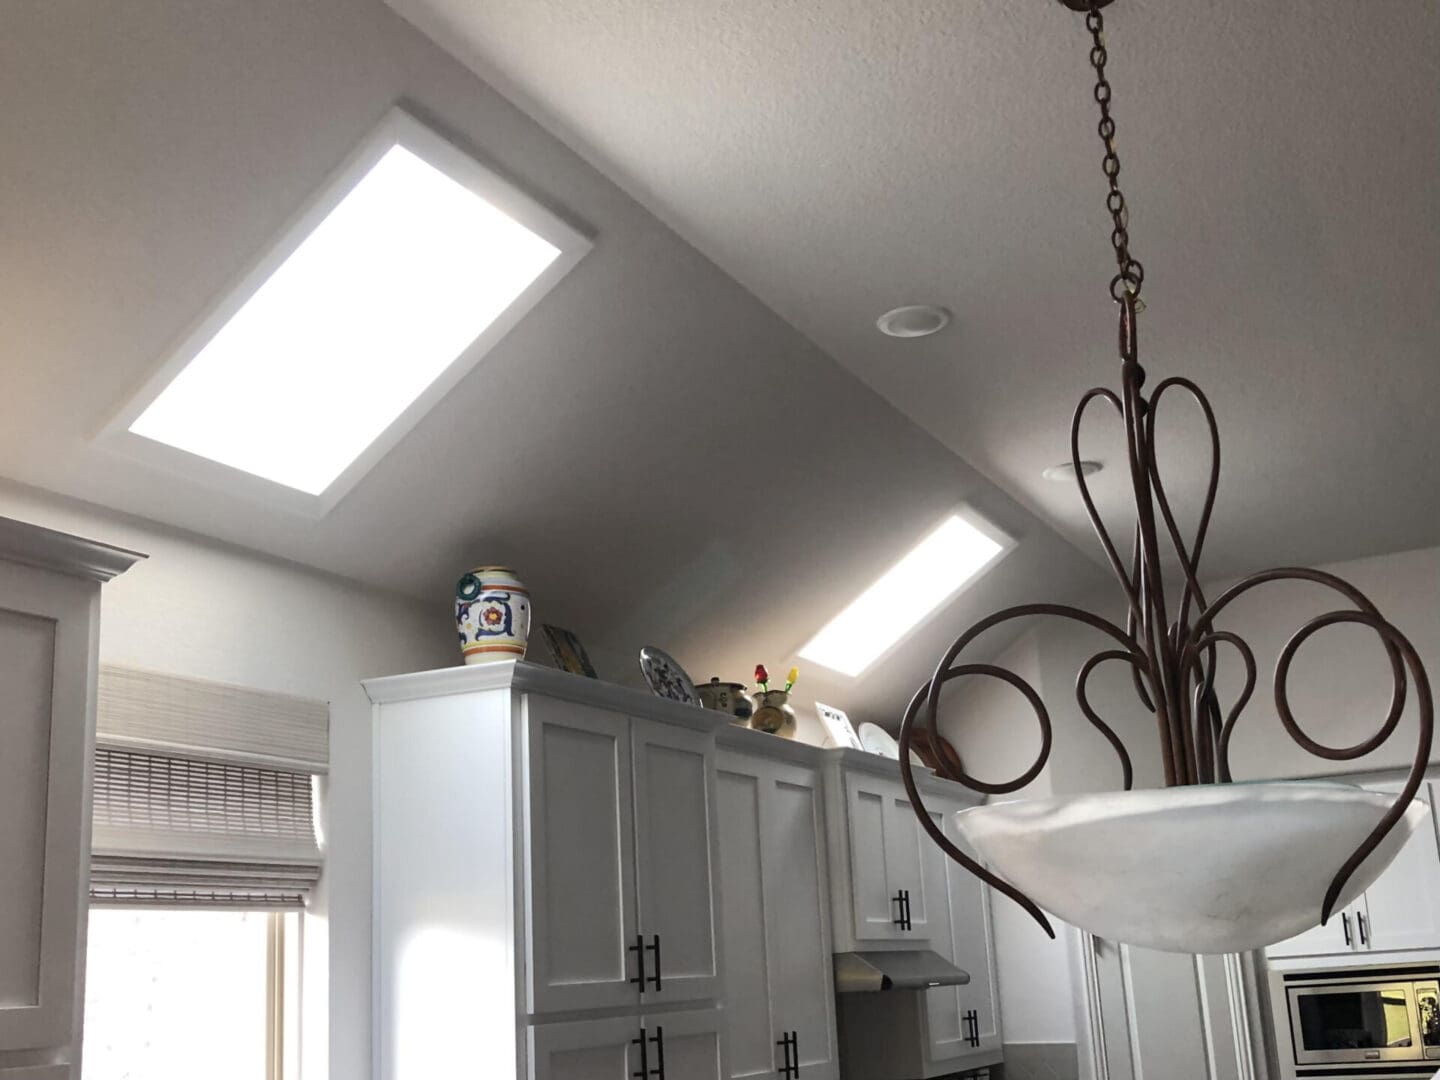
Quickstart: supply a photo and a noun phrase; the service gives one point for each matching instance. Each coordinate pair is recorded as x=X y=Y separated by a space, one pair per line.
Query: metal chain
x=1132 y=274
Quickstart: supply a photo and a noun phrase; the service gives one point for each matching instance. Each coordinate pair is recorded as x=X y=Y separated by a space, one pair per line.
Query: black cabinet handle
x=972 y=1027
x=659 y=1040
x=644 y=1044
x=655 y=948
x=639 y=950
x=1360 y=924
x=902 y=904
x=1345 y=922
x=791 y=1045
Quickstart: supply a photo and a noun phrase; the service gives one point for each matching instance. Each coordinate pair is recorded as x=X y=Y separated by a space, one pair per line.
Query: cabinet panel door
x=871 y=898
x=907 y=849
x=972 y=943
x=685 y=1046
x=742 y=829
x=797 y=908
x=581 y=856
x=588 y=1050
x=674 y=860
x=1327 y=940
x=47 y=672
x=1403 y=906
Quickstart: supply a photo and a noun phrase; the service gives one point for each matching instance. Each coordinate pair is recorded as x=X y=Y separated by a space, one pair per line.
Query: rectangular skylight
x=407 y=267
x=922 y=581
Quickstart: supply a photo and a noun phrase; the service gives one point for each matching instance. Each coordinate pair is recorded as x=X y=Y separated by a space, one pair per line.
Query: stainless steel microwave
x=1362 y=1022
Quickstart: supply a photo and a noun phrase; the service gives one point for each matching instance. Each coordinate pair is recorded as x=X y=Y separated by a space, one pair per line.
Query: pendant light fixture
x=1202 y=865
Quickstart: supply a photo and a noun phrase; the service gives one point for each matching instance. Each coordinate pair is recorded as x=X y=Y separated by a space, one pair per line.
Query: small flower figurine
x=791 y=677
x=762 y=677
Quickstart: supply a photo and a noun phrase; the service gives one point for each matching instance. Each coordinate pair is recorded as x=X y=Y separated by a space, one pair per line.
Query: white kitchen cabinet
x=1401 y=909
x=49 y=617
x=961 y=1021
x=621 y=860
x=673 y=773
x=665 y=1046
x=775 y=905
x=544 y=845
x=582 y=858
x=881 y=855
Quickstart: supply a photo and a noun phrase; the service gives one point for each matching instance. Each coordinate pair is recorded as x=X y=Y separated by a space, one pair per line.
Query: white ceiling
x=664 y=459
x=840 y=157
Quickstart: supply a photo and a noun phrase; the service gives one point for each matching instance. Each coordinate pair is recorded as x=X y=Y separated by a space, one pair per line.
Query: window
x=935 y=570
x=177 y=994
x=410 y=264
x=203 y=856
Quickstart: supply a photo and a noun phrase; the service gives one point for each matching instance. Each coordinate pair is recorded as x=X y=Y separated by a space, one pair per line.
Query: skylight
x=412 y=262
x=881 y=616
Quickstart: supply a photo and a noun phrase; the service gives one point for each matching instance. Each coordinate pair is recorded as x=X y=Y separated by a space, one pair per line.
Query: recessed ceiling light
x=914 y=320
x=1066 y=471
x=411 y=262
x=905 y=595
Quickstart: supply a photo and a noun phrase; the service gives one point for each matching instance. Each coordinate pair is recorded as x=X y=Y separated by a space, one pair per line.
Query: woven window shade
x=204 y=794
x=145 y=710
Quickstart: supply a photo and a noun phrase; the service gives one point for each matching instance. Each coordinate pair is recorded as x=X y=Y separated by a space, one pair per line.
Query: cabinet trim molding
x=47 y=549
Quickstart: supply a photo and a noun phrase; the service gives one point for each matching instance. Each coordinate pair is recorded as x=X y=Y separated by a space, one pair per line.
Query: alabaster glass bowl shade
x=1213 y=868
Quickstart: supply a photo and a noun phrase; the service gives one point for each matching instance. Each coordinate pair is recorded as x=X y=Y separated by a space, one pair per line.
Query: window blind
x=197 y=718
x=204 y=794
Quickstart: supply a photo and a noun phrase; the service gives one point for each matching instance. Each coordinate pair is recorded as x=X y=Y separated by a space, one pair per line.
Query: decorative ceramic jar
x=492 y=613
x=774 y=714
x=726 y=697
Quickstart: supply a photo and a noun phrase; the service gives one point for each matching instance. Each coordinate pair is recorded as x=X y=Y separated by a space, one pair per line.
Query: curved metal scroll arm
x=1402 y=656
x=926 y=701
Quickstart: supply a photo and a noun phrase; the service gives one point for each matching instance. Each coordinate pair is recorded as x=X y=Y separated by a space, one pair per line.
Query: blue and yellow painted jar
x=492 y=614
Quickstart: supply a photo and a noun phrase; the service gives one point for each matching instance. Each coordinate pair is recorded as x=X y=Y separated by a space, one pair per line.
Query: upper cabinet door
x=875 y=906
x=47 y=672
x=776 y=925
x=972 y=946
x=1339 y=935
x=907 y=847
x=743 y=824
x=802 y=999
x=1404 y=903
x=581 y=856
x=674 y=776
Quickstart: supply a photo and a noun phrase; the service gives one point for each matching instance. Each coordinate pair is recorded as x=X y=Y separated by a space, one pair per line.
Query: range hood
x=911 y=969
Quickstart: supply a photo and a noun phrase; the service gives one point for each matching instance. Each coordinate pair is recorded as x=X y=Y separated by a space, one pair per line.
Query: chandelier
x=1203 y=864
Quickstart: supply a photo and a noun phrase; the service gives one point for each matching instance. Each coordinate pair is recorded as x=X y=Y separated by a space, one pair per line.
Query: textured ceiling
x=664 y=459
x=840 y=157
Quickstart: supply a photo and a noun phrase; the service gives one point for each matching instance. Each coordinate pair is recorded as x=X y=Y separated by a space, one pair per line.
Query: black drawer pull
x=644 y=1044
x=902 y=905
x=655 y=948
x=659 y=1040
x=639 y=950
x=791 y=1046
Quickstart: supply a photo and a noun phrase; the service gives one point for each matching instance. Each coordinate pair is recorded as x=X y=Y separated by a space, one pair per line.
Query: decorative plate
x=667 y=678
x=878 y=741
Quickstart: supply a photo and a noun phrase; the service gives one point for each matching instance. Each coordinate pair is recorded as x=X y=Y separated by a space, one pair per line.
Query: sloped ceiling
x=664 y=459
x=840 y=157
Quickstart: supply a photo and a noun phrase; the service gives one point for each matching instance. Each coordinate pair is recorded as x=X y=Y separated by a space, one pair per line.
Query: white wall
x=1340 y=682
x=204 y=610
